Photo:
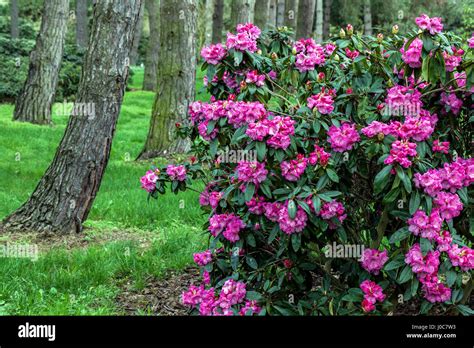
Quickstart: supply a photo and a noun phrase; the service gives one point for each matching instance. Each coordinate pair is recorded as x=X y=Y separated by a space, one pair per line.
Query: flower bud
x=274 y=56
x=350 y=29
x=336 y=58
x=379 y=37
x=321 y=76
x=342 y=34
x=294 y=51
x=395 y=29
x=259 y=52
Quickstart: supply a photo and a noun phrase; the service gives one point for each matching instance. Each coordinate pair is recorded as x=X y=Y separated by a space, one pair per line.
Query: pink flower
x=149 y=180
x=372 y=293
x=322 y=101
x=319 y=155
x=451 y=101
x=412 y=56
x=252 y=172
x=232 y=293
x=329 y=48
x=444 y=240
x=309 y=54
x=213 y=54
x=288 y=225
x=245 y=39
x=250 y=307
x=453 y=61
x=400 y=152
x=352 y=54
x=433 y=25
x=254 y=77
x=442 y=147
x=461 y=257
x=449 y=205
x=333 y=209
x=227 y=224
x=256 y=205
x=471 y=41
x=176 y=173
x=375 y=128
x=367 y=306
x=427 y=226
x=344 y=137
x=202 y=259
x=373 y=260
x=422 y=265
x=280 y=129
x=436 y=292
x=272 y=211
x=293 y=169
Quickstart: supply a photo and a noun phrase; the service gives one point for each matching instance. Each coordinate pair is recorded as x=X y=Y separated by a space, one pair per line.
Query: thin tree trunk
x=305 y=20
x=367 y=18
x=319 y=21
x=37 y=96
x=209 y=14
x=327 y=18
x=137 y=37
x=280 y=13
x=14 y=18
x=64 y=196
x=262 y=11
x=82 y=34
x=176 y=77
x=291 y=9
x=217 y=21
x=151 y=62
x=272 y=18
x=242 y=12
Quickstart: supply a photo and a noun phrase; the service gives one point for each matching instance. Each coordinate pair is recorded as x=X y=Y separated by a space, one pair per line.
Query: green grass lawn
x=84 y=280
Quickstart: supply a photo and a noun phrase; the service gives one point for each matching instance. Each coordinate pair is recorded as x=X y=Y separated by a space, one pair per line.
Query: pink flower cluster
x=255 y=78
x=333 y=209
x=245 y=39
x=442 y=147
x=344 y=137
x=278 y=128
x=426 y=226
x=292 y=170
x=433 y=25
x=373 y=260
x=452 y=61
x=461 y=257
x=252 y=172
x=202 y=259
x=449 y=205
x=308 y=55
x=149 y=180
x=213 y=54
x=231 y=294
x=470 y=42
x=451 y=101
x=372 y=293
x=399 y=153
x=451 y=177
x=289 y=225
x=176 y=173
x=319 y=155
x=227 y=224
x=322 y=101
x=352 y=54
x=412 y=56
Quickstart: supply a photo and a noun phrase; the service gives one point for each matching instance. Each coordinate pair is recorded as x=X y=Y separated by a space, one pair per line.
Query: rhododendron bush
x=363 y=141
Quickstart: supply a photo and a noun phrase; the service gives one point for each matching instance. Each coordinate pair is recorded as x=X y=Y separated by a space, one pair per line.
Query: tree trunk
x=217 y=21
x=327 y=18
x=305 y=20
x=14 y=19
x=242 y=12
x=367 y=18
x=151 y=62
x=262 y=12
x=272 y=18
x=64 y=196
x=291 y=7
x=176 y=77
x=82 y=29
x=319 y=21
x=137 y=36
x=37 y=95
x=208 y=17
x=280 y=13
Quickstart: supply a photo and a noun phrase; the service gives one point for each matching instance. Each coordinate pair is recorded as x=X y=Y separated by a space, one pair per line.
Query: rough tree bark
x=217 y=21
x=64 y=196
x=151 y=60
x=280 y=13
x=262 y=11
x=14 y=19
x=367 y=18
x=242 y=11
x=176 y=78
x=327 y=18
x=137 y=36
x=37 y=95
x=291 y=8
x=319 y=21
x=304 y=26
x=208 y=18
x=82 y=30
